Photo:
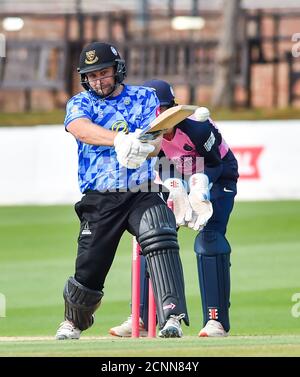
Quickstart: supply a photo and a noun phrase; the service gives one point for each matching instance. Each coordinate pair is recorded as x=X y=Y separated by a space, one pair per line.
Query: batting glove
x=131 y=152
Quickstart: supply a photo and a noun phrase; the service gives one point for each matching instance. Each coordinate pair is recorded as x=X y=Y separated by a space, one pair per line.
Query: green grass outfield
x=37 y=254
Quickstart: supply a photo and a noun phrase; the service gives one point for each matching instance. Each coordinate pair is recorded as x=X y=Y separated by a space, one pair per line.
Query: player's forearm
x=89 y=133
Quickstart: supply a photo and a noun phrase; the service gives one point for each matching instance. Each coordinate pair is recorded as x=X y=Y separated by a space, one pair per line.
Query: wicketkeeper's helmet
x=164 y=92
x=98 y=55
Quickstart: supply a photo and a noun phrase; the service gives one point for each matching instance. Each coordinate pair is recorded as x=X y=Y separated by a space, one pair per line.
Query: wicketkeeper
x=204 y=203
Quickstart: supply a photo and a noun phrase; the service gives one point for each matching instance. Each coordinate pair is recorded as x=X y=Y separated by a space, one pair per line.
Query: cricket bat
x=166 y=120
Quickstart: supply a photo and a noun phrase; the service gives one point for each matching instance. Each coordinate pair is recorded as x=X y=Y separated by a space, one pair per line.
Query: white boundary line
x=43 y=338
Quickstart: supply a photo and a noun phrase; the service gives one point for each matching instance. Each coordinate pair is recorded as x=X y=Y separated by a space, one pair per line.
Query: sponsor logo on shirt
x=74 y=109
x=119 y=125
x=187 y=147
x=210 y=142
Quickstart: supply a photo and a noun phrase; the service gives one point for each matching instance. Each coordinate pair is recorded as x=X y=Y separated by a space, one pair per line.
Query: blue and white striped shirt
x=99 y=169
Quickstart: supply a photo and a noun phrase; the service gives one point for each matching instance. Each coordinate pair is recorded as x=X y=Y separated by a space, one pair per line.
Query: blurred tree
x=223 y=91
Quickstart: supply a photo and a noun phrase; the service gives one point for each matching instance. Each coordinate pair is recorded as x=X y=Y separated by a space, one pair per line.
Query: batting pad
x=166 y=275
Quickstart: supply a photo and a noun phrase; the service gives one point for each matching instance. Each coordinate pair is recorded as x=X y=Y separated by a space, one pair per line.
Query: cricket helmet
x=98 y=55
x=164 y=92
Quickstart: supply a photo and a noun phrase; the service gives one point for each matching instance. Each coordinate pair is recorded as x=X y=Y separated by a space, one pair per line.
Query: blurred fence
x=45 y=55
x=35 y=64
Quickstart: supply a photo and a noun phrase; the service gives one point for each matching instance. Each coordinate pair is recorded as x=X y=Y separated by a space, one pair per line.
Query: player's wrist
x=118 y=138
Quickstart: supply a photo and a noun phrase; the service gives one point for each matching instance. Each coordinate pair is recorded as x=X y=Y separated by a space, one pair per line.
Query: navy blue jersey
x=194 y=140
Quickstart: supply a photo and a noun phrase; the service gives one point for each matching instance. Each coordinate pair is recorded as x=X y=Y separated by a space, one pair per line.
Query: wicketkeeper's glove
x=199 y=199
x=181 y=206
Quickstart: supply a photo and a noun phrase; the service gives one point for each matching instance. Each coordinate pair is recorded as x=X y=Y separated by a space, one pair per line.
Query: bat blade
x=168 y=119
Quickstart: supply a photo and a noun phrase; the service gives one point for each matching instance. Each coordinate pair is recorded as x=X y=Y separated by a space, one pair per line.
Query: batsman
x=114 y=171
x=203 y=202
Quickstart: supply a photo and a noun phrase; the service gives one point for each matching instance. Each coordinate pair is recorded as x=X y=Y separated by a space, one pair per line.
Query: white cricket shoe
x=125 y=329
x=67 y=330
x=172 y=328
x=213 y=329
